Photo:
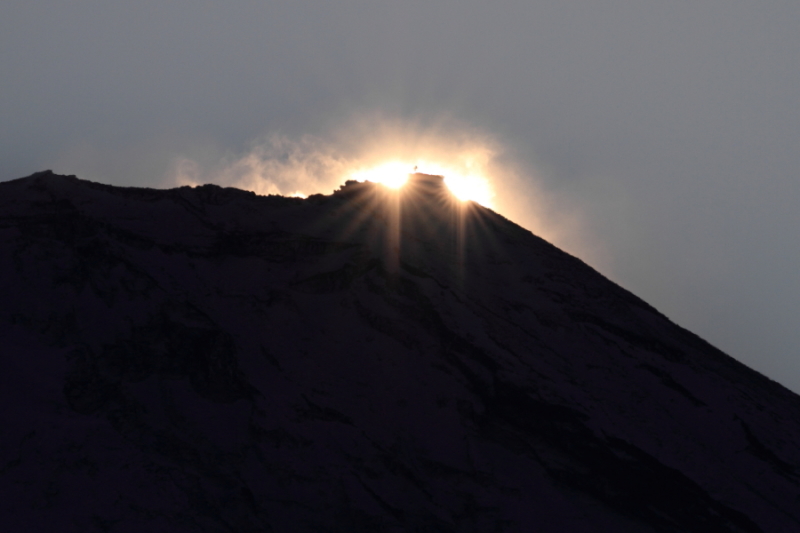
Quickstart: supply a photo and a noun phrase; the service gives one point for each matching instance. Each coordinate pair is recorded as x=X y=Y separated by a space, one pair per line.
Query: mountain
x=206 y=359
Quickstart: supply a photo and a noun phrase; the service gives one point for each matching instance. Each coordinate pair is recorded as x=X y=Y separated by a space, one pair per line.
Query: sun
x=465 y=186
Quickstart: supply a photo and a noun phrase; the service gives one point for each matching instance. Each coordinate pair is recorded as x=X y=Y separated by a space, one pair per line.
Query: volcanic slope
x=205 y=359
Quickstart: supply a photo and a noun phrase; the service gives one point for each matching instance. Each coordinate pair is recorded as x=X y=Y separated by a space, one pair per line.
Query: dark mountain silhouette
x=205 y=359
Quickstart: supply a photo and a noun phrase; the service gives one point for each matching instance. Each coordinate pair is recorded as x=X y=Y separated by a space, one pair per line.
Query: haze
x=657 y=141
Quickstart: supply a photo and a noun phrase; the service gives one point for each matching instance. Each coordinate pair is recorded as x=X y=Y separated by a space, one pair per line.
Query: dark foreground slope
x=209 y=360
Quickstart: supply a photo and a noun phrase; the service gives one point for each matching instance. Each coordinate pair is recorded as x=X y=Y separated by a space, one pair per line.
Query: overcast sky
x=658 y=141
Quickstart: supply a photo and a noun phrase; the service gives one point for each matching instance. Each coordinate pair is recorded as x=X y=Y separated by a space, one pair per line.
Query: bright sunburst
x=464 y=186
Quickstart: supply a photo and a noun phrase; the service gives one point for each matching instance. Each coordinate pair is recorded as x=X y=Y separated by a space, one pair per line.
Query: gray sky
x=658 y=141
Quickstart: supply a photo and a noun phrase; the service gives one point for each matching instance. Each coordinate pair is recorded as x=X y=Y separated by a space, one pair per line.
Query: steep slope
x=205 y=359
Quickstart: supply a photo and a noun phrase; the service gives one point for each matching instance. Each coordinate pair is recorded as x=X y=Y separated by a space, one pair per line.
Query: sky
x=657 y=141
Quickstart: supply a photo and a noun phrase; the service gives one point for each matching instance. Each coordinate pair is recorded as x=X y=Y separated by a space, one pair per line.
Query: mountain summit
x=206 y=359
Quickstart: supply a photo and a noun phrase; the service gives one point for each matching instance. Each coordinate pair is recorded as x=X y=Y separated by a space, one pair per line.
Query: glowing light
x=393 y=174
x=464 y=186
x=473 y=188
